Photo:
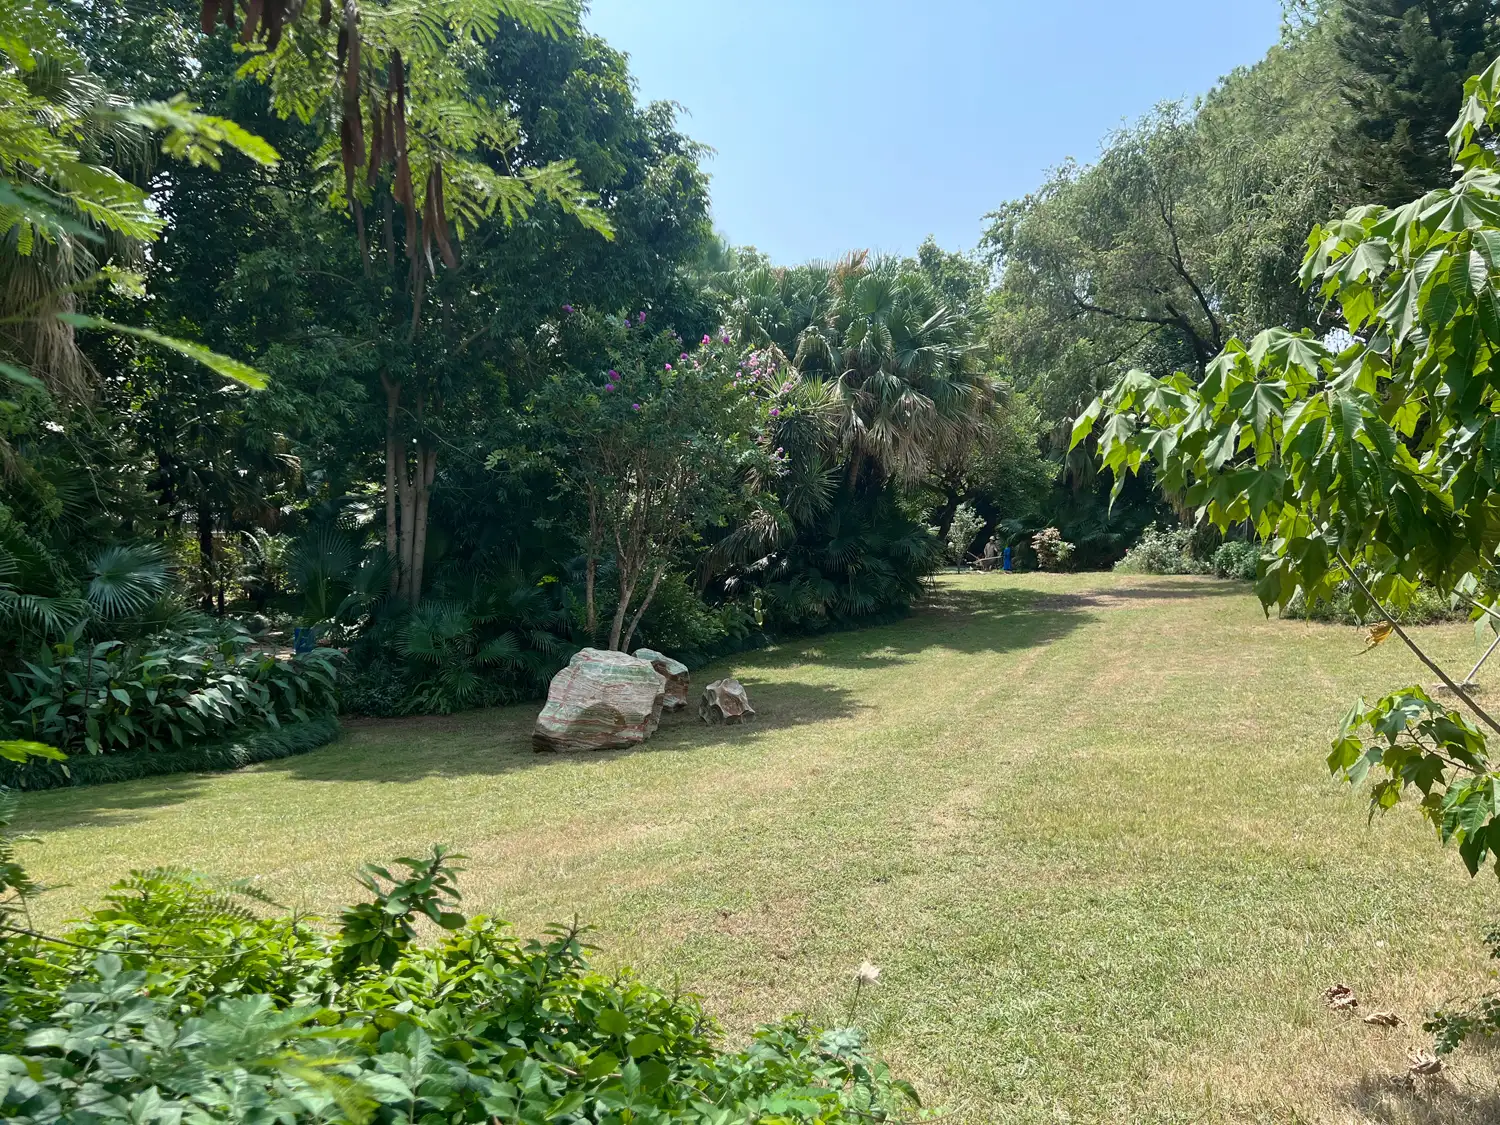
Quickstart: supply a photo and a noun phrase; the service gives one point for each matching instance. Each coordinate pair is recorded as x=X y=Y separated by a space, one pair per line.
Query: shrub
x=966 y=525
x=1236 y=559
x=865 y=560
x=231 y=753
x=1052 y=550
x=378 y=689
x=679 y=620
x=1162 y=550
x=1423 y=606
x=178 y=1002
x=171 y=691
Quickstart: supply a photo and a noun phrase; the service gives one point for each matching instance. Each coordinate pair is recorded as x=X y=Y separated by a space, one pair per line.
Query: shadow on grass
x=989 y=620
x=487 y=743
x=1433 y=1101
x=117 y=803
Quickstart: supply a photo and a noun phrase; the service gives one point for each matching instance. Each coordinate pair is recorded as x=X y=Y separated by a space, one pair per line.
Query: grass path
x=1083 y=824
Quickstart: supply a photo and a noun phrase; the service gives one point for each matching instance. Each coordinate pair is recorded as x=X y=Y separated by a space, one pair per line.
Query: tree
x=1122 y=242
x=899 y=369
x=1188 y=228
x=1374 y=467
x=960 y=280
x=658 y=443
x=1405 y=62
x=441 y=157
x=73 y=222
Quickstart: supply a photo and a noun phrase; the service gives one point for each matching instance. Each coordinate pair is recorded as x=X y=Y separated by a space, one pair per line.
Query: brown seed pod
x=254 y=9
x=354 y=149
x=439 y=218
x=276 y=17
x=377 y=146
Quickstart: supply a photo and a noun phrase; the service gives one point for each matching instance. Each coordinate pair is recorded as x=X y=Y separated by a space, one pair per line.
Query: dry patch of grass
x=1083 y=824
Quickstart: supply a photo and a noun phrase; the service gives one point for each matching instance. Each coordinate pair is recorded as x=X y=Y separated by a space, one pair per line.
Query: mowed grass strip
x=1083 y=823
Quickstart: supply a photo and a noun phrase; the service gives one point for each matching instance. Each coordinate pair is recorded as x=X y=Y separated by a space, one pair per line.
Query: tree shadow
x=497 y=741
x=1431 y=1101
x=1162 y=590
x=978 y=622
x=117 y=803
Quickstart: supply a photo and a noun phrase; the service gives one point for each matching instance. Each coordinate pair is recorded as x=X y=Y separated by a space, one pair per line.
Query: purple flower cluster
x=759 y=374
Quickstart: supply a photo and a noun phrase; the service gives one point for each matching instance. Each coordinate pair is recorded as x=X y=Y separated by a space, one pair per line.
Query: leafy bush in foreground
x=1367 y=461
x=176 y=1003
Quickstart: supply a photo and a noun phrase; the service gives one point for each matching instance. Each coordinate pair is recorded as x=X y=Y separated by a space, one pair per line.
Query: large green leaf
x=219 y=364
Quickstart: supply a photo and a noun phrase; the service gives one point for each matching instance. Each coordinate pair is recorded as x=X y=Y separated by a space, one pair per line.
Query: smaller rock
x=725 y=701
x=676 y=674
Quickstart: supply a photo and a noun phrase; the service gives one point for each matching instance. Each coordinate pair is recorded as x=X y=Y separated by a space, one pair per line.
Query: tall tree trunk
x=392 y=452
x=426 y=472
x=591 y=570
x=945 y=514
x=406 y=485
x=627 y=591
x=856 y=466
x=591 y=608
x=645 y=602
x=206 y=554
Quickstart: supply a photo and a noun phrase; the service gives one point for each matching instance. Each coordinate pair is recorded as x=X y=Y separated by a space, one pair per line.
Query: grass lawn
x=1082 y=823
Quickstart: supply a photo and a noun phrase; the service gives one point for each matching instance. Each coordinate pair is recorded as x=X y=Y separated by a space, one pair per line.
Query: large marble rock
x=602 y=700
x=725 y=701
x=676 y=673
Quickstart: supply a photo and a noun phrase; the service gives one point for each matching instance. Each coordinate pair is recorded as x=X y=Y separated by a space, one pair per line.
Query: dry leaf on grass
x=1425 y=1063
x=1340 y=998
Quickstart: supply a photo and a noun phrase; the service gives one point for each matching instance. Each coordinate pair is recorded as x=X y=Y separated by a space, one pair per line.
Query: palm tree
x=900 y=369
x=66 y=212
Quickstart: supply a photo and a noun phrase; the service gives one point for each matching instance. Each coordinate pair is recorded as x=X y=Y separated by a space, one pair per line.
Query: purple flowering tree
x=660 y=445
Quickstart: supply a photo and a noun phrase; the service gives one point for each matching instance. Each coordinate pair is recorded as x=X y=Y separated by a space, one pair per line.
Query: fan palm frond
x=127 y=580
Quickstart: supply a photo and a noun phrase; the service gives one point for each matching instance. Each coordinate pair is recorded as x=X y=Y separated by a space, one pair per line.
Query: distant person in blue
x=1005 y=560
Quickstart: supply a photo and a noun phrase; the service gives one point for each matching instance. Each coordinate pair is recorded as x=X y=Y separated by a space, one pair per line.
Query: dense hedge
x=229 y=754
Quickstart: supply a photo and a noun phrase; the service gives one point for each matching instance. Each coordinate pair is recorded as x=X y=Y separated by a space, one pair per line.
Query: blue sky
x=872 y=123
